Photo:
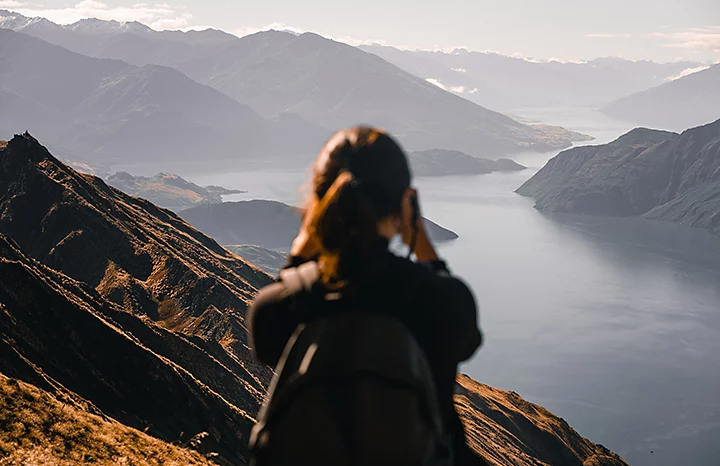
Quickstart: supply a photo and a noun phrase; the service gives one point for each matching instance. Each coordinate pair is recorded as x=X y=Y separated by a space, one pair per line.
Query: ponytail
x=345 y=225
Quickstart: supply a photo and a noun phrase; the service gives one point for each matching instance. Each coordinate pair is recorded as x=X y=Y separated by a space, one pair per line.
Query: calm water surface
x=612 y=324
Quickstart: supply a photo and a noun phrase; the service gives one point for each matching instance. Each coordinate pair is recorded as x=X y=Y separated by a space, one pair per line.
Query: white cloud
x=459 y=70
x=437 y=83
x=10 y=4
x=473 y=91
x=687 y=72
x=454 y=89
x=609 y=36
x=692 y=40
x=156 y=15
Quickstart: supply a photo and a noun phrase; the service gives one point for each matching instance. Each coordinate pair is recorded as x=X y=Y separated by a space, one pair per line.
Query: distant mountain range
x=123 y=332
x=106 y=112
x=649 y=173
x=508 y=83
x=320 y=83
x=687 y=102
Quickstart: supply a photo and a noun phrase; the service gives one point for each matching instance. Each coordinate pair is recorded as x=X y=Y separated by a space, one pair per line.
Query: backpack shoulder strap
x=302 y=277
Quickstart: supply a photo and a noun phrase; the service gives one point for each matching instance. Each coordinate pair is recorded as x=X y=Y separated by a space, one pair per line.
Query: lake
x=612 y=324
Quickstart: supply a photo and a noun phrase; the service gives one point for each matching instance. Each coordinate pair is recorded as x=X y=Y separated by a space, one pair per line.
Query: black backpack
x=353 y=388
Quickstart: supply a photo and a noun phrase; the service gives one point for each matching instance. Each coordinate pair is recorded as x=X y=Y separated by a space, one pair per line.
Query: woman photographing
x=366 y=344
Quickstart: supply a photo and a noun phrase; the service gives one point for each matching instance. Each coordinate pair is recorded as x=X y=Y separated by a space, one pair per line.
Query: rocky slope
x=37 y=427
x=438 y=162
x=684 y=103
x=507 y=430
x=268 y=224
x=655 y=174
x=126 y=319
x=268 y=260
x=168 y=190
x=123 y=304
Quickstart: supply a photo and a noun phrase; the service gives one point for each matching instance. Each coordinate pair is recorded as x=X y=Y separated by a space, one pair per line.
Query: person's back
x=346 y=240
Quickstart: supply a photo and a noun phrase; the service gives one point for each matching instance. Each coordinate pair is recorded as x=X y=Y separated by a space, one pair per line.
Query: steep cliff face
x=507 y=430
x=126 y=319
x=651 y=173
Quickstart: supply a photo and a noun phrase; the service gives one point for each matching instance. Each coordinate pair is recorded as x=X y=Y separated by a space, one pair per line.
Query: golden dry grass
x=37 y=429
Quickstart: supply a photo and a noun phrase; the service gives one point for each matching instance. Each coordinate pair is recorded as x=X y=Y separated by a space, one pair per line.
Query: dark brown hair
x=359 y=178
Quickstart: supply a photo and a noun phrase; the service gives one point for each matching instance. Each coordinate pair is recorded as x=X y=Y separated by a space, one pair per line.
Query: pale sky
x=660 y=30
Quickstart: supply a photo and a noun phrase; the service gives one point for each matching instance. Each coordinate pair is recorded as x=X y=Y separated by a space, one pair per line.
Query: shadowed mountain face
x=124 y=317
x=651 y=173
x=107 y=111
x=269 y=224
x=504 y=83
x=687 y=102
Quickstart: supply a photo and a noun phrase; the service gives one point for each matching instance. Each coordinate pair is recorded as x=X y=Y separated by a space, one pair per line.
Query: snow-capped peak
x=98 y=26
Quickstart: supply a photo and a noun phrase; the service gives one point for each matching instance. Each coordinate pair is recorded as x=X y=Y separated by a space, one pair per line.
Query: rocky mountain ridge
x=128 y=322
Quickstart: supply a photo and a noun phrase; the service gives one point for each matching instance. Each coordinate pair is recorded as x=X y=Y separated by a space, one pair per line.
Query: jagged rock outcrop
x=655 y=174
x=124 y=317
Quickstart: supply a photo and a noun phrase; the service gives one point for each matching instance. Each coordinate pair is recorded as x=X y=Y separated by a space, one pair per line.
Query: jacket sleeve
x=271 y=323
x=461 y=321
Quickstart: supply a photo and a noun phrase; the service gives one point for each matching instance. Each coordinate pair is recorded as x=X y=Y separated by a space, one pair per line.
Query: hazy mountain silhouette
x=123 y=316
x=107 y=111
x=684 y=103
x=440 y=162
x=269 y=224
x=132 y=42
x=508 y=83
x=655 y=174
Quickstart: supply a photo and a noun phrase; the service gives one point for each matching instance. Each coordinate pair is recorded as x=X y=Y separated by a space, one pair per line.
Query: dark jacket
x=438 y=308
